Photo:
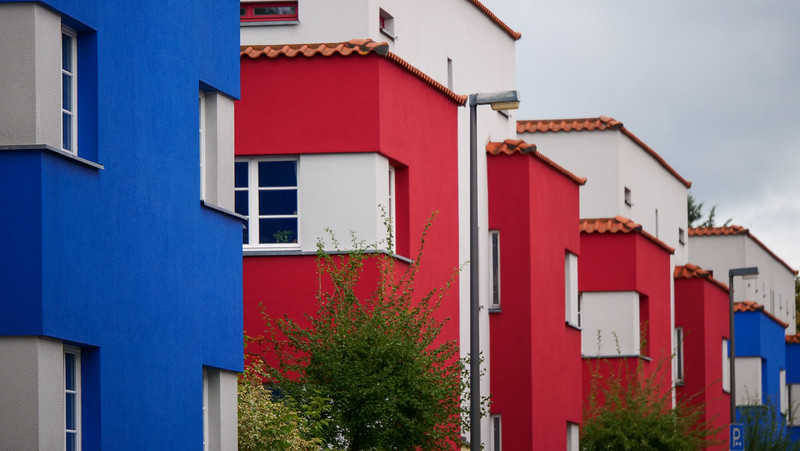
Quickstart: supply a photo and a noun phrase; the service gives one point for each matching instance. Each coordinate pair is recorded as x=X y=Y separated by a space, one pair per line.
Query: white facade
x=748 y=381
x=614 y=165
x=457 y=45
x=774 y=288
x=611 y=323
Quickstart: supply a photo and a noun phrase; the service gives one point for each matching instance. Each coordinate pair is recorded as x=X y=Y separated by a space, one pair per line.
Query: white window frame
x=494 y=270
x=496 y=439
x=393 y=208
x=76 y=392
x=205 y=410
x=680 y=357
x=784 y=392
x=253 y=216
x=726 y=367
x=573 y=437
x=72 y=72
x=571 y=298
x=202 y=136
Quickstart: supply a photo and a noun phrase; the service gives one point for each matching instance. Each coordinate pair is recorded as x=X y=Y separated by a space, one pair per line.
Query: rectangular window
x=494 y=269
x=205 y=410
x=571 y=289
x=628 y=200
x=573 y=437
x=72 y=398
x=69 y=90
x=386 y=21
x=392 y=209
x=681 y=236
x=784 y=393
x=266 y=193
x=497 y=432
x=202 y=136
x=726 y=367
x=679 y=378
x=268 y=11
x=449 y=74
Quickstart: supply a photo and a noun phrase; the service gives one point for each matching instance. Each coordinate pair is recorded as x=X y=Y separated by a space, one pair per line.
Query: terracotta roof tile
x=737 y=230
x=793 y=339
x=690 y=271
x=514 y=34
x=750 y=306
x=590 y=124
x=512 y=146
x=352 y=47
x=619 y=224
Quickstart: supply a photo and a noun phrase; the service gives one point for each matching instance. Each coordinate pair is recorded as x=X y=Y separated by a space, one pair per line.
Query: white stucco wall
x=223 y=410
x=748 y=381
x=30 y=56
x=341 y=192
x=610 y=322
x=774 y=287
x=31 y=393
x=218 y=150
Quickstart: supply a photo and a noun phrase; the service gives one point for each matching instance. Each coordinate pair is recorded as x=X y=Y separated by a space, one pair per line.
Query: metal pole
x=732 y=342
x=474 y=305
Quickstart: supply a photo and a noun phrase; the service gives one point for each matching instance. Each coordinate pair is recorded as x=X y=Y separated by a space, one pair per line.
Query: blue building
x=120 y=262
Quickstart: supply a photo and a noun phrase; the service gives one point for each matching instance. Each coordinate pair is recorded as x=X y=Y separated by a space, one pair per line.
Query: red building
x=702 y=329
x=338 y=136
x=625 y=300
x=534 y=336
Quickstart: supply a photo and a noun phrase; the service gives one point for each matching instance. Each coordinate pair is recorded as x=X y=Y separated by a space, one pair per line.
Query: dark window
x=267 y=11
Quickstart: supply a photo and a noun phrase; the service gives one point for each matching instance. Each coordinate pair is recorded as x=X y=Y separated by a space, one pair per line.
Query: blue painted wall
x=124 y=261
x=758 y=335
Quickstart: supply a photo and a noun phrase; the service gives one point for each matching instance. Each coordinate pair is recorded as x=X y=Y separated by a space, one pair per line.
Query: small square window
x=386 y=21
x=268 y=11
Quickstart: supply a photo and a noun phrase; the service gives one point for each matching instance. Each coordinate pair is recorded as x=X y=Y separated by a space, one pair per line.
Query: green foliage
x=765 y=428
x=266 y=424
x=695 y=211
x=388 y=382
x=633 y=411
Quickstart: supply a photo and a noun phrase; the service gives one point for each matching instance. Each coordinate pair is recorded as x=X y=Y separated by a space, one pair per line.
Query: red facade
x=535 y=358
x=702 y=311
x=624 y=258
x=363 y=102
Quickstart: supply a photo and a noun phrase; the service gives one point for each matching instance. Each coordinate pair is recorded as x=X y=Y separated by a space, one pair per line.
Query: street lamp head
x=746 y=273
x=503 y=100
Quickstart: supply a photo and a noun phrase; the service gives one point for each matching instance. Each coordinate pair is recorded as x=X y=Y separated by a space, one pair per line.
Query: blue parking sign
x=737 y=437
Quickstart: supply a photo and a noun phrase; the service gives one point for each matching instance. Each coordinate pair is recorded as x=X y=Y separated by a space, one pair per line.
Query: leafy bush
x=765 y=428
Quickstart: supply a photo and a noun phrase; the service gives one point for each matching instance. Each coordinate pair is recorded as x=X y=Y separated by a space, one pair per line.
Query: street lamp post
x=746 y=273
x=506 y=100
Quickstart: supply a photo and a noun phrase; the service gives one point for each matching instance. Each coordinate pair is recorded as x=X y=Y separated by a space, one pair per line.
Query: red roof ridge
x=590 y=124
x=514 y=34
x=793 y=339
x=738 y=230
x=691 y=271
x=512 y=146
x=752 y=306
x=619 y=224
x=353 y=46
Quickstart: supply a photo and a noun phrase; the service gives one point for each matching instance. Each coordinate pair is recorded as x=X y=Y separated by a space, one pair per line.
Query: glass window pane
x=66 y=131
x=241 y=202
x=66 y=92
x=71 y=411
x=274 y=10
x=66 y=52
x=277 y=173
x=69 y=371
x=240 y=174
x=277 y=202
x=277 y=230
x=71 y=441
x=241 y=11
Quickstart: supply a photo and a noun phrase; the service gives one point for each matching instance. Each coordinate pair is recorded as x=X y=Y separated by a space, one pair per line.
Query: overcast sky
x=713 y=86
